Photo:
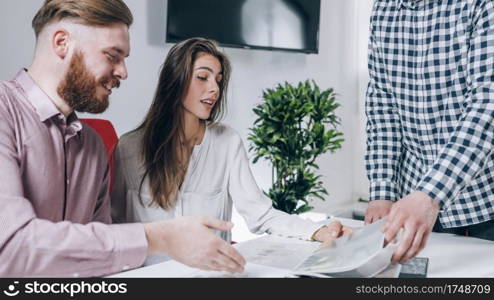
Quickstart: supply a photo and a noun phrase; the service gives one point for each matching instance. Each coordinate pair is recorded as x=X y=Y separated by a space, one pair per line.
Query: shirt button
x=68 y=181
x=125 y=268
x=75 y=274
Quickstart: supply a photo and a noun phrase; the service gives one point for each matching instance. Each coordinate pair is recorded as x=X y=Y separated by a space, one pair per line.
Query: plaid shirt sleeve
x=383 y=129
x=473 y=139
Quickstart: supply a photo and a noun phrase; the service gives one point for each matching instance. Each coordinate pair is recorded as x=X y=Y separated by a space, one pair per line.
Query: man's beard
x=78 y=88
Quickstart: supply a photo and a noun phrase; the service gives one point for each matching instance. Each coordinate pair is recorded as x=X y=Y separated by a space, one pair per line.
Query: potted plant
x=294 y=125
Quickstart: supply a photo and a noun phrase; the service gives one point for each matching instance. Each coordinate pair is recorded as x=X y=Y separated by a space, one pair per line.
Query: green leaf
x=294 y=125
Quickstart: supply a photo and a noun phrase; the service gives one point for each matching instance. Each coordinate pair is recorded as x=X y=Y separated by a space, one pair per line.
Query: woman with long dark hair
x=181 y=161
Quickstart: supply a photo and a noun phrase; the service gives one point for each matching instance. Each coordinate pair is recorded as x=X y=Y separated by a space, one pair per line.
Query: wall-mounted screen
x=291 y=25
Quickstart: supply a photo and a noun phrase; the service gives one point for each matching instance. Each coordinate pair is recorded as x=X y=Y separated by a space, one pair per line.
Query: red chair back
x=106 y=132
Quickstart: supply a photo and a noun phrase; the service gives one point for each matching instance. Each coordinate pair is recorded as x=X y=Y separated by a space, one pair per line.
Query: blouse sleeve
x=255 y=207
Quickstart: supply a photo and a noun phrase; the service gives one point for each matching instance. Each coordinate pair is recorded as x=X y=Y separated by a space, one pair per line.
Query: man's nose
x=121 y=71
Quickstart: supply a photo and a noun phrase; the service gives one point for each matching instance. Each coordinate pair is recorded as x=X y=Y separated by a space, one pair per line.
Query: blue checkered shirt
x=430 y=105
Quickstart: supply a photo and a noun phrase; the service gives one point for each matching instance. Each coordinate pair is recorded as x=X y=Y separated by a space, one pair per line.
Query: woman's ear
x=60 y=43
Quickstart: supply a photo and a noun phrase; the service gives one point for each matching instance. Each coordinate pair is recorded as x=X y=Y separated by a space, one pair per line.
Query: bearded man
x=54 y=200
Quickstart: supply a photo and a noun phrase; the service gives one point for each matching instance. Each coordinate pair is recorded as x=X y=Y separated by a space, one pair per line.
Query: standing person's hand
x=377 y=209
x=416 y=214
x=190 y=240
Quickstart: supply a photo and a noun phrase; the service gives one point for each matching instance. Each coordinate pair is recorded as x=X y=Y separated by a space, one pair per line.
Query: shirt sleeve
x=30 y=246
x=254 y=206
x=471 y=142
x=383 y=126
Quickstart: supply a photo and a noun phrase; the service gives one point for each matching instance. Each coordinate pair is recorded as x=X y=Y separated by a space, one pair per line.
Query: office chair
x=106 y=132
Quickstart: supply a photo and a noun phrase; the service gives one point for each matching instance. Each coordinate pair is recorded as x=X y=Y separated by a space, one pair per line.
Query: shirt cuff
x=383 y=190
x=131 y=246
x=439 y=186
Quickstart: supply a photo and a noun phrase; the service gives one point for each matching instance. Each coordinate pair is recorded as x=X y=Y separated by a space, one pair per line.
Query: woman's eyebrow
x=208 y=69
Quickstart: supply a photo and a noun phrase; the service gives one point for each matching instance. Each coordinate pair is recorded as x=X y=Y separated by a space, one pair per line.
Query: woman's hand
x=329 y=233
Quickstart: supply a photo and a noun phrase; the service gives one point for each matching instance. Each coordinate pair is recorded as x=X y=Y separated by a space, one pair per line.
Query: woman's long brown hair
x=163 y=124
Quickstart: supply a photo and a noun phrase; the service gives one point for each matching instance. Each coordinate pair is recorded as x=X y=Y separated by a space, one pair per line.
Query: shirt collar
x=43 y=105
x=410 y=4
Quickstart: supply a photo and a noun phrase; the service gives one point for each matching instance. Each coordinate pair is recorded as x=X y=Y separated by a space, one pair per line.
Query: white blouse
x=218 y=177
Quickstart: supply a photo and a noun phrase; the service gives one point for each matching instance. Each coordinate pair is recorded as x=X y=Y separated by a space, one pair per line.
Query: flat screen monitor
x=291 y=25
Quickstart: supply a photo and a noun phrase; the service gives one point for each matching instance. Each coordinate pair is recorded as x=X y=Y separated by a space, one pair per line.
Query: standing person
x=181 y=162
x=430 y=109
x=54 y=202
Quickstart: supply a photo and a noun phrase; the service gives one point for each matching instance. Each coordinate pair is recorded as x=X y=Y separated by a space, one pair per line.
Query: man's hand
x=416 y=214
x=190 y=240
x=328 y=233
x=377 y=209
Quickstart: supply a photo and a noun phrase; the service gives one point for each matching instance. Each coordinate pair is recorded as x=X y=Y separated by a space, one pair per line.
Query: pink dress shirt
x=54 y=201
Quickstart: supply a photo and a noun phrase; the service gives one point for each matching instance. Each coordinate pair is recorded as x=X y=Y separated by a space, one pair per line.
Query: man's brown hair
x=87 y=12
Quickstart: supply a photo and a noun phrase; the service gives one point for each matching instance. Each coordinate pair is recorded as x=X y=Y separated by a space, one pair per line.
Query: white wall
x=338 y=65
x=361 y=184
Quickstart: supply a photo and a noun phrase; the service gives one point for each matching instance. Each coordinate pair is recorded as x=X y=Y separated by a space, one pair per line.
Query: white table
x=449 y=256
x=459 y=256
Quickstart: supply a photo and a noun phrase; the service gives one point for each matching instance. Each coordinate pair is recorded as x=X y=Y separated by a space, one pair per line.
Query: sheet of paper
x=250 y=271
x=348 y=252
x=278 y=252
x=392 y=271
x=358 y=255
x=361 y=254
